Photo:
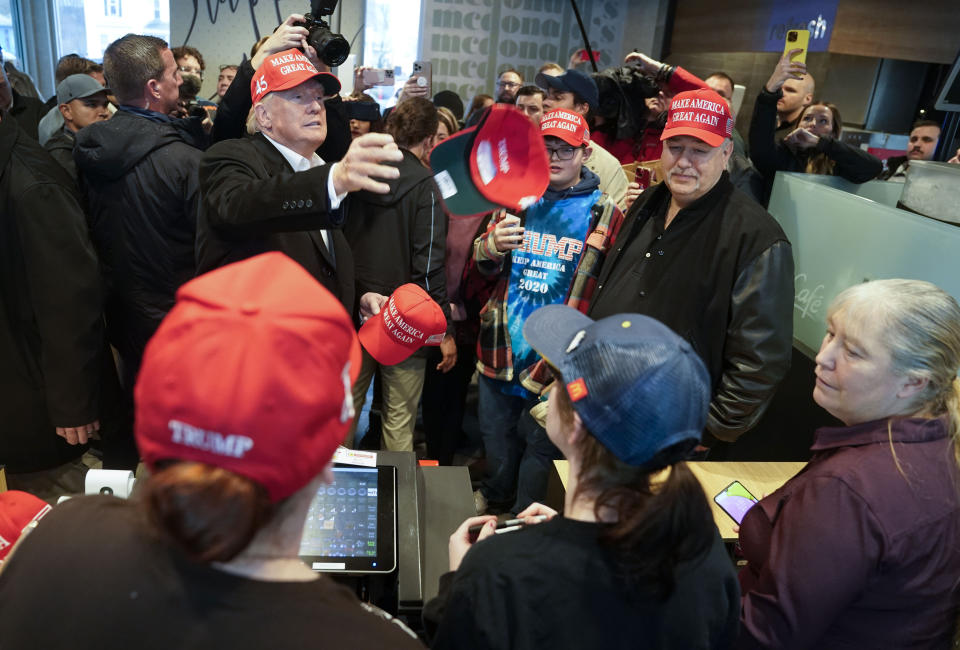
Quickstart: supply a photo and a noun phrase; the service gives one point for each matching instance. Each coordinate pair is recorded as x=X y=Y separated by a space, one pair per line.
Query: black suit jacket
x=252 y=202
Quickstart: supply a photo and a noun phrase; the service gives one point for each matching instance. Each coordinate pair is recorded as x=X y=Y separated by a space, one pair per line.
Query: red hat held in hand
x=409 y=320
x=499 y=163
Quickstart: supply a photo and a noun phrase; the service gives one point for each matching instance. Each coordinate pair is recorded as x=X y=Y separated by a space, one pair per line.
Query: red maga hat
x=700 y=113
x=500 y=163
x=566 y=125
x=288 y=69
x=18 y=510
x=252 y=371
x=409 y=320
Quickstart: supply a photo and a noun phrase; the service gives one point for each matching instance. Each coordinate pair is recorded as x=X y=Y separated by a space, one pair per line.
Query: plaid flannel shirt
x=494 y=354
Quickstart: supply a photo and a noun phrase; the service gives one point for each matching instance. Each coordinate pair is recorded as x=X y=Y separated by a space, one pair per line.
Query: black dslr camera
x=332 y=49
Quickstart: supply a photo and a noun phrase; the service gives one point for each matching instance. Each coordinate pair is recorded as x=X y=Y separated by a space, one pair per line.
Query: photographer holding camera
x=633 y=106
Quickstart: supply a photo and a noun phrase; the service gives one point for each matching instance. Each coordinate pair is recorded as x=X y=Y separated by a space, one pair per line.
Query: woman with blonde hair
x=448 y=124
x=860 y=549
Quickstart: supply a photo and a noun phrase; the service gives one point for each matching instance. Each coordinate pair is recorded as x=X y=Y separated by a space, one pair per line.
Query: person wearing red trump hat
x=272 y=192
x=548 y=253
x=241 y=400
x=710 y=263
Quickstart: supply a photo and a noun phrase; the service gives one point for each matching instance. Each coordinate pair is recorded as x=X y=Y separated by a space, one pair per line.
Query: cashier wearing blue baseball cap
x=635 y=559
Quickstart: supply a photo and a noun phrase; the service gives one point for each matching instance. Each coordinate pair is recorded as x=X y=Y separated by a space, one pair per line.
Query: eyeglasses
x=507 y=84
x=182 y=68
x=562 y=153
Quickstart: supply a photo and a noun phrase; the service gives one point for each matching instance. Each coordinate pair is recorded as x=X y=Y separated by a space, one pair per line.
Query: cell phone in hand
x=424 y=70
x=642 y=177
x=735 y=500
x=797 y=39
x=378 y=77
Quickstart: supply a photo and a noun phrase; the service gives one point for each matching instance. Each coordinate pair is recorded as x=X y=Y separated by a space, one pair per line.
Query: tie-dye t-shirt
x=542 y=269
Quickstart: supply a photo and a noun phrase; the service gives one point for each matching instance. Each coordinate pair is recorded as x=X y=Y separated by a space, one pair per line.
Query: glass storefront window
x=87 y=27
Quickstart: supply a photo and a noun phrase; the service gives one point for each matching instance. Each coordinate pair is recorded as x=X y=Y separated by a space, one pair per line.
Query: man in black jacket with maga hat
x=706 y=260
x=272 y=192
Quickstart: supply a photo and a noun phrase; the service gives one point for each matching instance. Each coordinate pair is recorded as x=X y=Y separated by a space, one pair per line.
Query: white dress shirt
x=301 y=164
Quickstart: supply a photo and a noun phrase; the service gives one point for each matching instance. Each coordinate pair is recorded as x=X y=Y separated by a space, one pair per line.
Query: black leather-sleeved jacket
x=722 y=277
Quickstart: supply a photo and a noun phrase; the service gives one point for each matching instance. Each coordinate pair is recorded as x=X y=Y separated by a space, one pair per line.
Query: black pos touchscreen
x=351 y=526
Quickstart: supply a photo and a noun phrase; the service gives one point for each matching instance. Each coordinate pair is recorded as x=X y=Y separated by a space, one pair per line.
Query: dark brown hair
x=920 y=123
x=377 y=125
x=721 y=75
x=412 y=121
x=130 y=62
x=477 y=104
x=256 y=46
x=185 y=51
x=530 y=91
x=74 y=64
x=210 y=513
x=659 y=521
x=821 y=163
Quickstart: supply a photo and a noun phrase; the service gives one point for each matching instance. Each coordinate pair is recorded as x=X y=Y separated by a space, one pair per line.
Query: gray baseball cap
x=78 y=86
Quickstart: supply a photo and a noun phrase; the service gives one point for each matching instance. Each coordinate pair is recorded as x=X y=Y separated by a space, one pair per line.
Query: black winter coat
x=51 y=328
x=401 y=236
x=27 y=111
x=60 y=146
x=140 y=178
x=722 y=277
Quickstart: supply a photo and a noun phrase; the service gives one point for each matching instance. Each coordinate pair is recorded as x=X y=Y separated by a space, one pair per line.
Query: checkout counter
x=842 y=234
x=430 y=503
x=759 y=478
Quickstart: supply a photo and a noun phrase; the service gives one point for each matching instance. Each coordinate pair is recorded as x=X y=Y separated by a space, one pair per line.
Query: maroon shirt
x=852 y=553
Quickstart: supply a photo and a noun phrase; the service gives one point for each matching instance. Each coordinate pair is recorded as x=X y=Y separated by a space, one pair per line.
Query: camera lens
x=333 y=49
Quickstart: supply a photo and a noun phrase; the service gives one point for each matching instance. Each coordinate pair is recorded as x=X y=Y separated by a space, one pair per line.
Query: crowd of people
x=173 y=262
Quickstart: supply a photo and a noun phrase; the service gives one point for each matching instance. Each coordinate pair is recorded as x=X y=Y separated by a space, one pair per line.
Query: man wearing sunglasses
x=548 y=254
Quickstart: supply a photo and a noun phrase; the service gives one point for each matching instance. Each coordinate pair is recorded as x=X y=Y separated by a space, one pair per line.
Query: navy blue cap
x=572 y=81
x=639 y=388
